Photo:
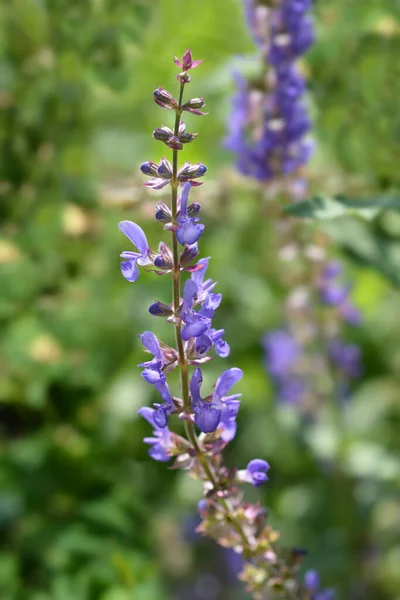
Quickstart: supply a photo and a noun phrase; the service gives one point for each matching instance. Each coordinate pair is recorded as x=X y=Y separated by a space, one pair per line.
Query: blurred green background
x=84 y=512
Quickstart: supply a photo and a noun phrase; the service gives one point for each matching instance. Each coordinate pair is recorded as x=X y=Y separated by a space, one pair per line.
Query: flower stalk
x=268 y=571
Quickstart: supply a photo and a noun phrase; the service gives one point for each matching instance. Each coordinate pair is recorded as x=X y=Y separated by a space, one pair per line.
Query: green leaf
x=331 y=207
x=368 y=246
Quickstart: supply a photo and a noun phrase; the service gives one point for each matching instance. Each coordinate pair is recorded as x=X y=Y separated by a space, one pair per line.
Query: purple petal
x=194 y=328
x=158 y=452
x=207 y=418
x=136 y=235
x=195 y=385
x=189 y=292
x=184 y=198
x=151 y=343
x=257 y=465
x=147 y=413
x=189 y=231
x=198 y=275
x=226 y=381
x=161 y=418
x=130 y=270
x=162 y=387
x=152 y=376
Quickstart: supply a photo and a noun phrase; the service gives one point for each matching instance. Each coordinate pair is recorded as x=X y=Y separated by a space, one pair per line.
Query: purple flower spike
x=129 y=267
x=161 y=443
x=255 y=472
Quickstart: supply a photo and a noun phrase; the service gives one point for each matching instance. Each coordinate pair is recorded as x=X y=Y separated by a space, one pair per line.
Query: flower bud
x=189 y=171
x=189 y=254
x=194 y=105
x=183 y=77
x=164 y=169
x=164 y=99
x=161 y=263
x=194 y=209
x=162 y=133
x=163 y=213
x=186 y=138
x=149 y=168
x=174 y=143
x=159 y=309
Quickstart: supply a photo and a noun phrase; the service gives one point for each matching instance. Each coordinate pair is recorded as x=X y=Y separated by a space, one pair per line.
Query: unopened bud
x=164 y=169
x=194 y=209
x=183 y=77
x=149 y=168
x=189 y=171
x=194 y=105
x=189 y=254
x=161 y=263
x=159 y=309
x=162 y=133
x=163 y=213
x=174 y=143
x=164 y=99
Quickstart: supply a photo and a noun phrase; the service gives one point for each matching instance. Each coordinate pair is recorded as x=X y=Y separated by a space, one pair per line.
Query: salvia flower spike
x=210 y=421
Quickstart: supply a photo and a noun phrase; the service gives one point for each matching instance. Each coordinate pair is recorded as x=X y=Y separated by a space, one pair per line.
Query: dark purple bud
x=164 y=99
x=189 y=171
x=163 y=213
x=159 y=309
x=162 y=133
x=164 y=169
x=189 y=254
x=194 y=209
x=149 y=168
x=186 y=138
x=161 y=263
x=174 y=143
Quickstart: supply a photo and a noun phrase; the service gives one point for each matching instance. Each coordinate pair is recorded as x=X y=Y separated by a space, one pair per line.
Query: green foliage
x=324 y=208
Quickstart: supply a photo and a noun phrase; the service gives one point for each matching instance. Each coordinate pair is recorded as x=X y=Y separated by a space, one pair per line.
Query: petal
x=151 y=343
x=162 y=387
x=156 y=183
x=136 y=235
x=194 y=329
x=161 y=417
x=189 y=292
x=158 y=452
x=257 y=465
x=195 y=385
x=184 y=198
x=189 y=231
x=130 y=270
x=226 y=381
x=198 y=275
x=229 y=431
x=152 y=376
x=147 y=413
x=207 y=418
